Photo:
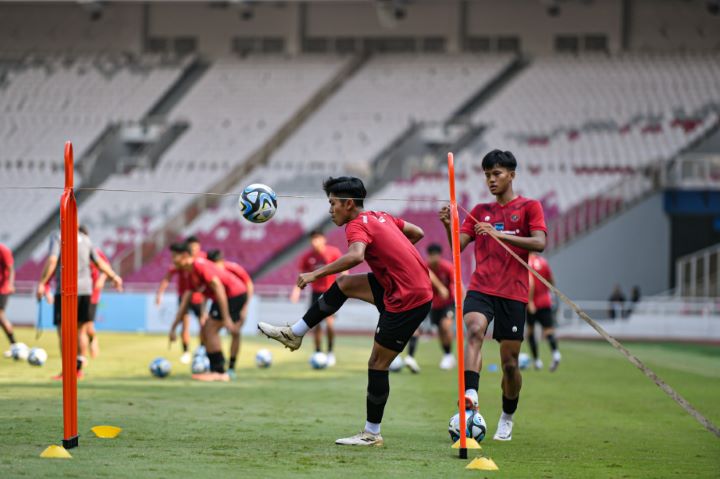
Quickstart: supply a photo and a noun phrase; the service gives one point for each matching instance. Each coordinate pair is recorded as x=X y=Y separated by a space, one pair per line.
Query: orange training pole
x=68 y=265
x=455 y=231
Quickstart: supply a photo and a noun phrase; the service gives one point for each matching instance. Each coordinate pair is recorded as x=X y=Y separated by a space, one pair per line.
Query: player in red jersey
x=316 y=257
x=7 y=287
x=228 y=294
x=499 y=285
x=216 y=257
x=399 y=286
x=540 y=311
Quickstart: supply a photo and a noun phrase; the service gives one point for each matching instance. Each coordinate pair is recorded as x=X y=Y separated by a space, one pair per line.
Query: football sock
x=509 y=405
x=472 y=380
x=553 y=342
x=372 y=427
x=300 y=328
x=11 y=337
x=447 y=348
x=217 y=362
x=533 y=345
x=412 y=346
x=231 y=364
x=331 y=343
x=378 y=391
x=80 y=361
x=185 y=347
x=327 y=304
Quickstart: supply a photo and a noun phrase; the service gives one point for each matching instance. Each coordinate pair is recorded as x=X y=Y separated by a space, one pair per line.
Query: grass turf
x=596 y=417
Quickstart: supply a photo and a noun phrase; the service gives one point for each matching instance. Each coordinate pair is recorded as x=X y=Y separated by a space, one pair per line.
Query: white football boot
x=281 y=334
x=504 y=430
x=331 y=361
x=448 y=362
x=185 y=358
x=556 y=361
x=412 y=364
x=362 y=439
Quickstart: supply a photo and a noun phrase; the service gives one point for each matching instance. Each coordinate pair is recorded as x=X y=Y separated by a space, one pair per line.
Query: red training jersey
x=202 y=273
x=541 y=295
x=94 y=275
x=396 y=263
x=312 y=260
x=496 y=272
x=6 y=262
x=183 y=284
x=240 y=273
x=446 y=274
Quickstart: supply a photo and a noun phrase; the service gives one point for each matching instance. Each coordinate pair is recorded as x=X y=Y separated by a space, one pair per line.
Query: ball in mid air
x=258 y=203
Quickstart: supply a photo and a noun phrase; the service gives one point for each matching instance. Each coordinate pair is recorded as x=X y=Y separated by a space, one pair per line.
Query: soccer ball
x=19 y=351
x=160 y=367
x=523 y=361
x=263 y=358
x=200 y=364
x=258 y=203
x=319 y=360
x=37 y=357
x=475 y=426
x=397 y=364
x=200 y=351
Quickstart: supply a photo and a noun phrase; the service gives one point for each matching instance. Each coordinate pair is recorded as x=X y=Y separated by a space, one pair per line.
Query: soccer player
x=98 y=281
x=86 y=255
x=499 y=285
x=399 y=286
x=540 y=311
x=7 y=287
x=316 y=257
x=216 y=257
x=228 y=294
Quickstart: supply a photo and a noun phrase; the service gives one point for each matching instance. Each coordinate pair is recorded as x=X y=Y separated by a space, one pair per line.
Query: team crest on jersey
x=514 y=217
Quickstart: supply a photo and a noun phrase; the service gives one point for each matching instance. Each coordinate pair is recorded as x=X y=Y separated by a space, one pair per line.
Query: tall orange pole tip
x=69 y=164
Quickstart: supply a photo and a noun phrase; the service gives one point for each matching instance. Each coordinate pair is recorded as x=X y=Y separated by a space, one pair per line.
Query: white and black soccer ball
x=397 y=364
x=200 y=351
x=319 y=360
x=263 y=358
x=19 y=351
x=160 y=367
x=200 y=364
x=258 y=203
x=523 y=361
x=475 y=426
x=37 y=357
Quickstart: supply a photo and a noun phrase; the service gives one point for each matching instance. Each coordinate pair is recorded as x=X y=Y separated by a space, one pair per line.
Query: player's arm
x=47 y=272
x=444 y=215
x=531 y=295
x=412 y=232
x=105 y=267
x=181 y=312
x=164 y=283
x=354 y=256
x=535 y=242
x=11 y=278
x=442 y=289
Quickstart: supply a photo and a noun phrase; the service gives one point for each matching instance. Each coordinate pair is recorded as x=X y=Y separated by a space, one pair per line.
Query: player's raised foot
x=448 y=362
x=412 y=364
x=232 y=374
x=331 y=360
x=185 y=358
x=504 y=430
x=556 y=361
x=538 y=364
x=281 y=334
x=362 y=439
x=211 y=377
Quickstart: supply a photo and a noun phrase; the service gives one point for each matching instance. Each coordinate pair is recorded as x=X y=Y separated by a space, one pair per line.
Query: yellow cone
x=470 y=443
x=56 y=452
x=106 y=432
x=483 y=464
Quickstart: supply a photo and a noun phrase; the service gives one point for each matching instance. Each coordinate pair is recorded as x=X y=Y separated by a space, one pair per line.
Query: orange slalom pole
x=455 y=233
x=69 y=328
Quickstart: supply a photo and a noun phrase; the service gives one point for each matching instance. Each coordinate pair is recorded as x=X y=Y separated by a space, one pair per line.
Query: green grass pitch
x=596 y=417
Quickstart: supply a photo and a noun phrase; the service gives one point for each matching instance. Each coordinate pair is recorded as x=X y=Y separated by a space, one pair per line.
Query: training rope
x=614 y=342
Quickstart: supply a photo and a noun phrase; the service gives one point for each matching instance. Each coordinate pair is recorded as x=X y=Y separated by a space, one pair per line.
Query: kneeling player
x=499 y=285
x=399 y=286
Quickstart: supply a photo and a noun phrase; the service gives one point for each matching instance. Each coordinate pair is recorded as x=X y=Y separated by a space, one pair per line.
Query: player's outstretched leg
x=476 y=325
x=330 y=334
x=511 y=385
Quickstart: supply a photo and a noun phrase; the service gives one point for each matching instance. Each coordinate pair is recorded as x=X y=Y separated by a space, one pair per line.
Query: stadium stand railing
x=698 y=274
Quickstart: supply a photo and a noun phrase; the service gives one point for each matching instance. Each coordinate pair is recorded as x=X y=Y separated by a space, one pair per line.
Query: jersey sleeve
x=536 y=217
x=241 y=273
x=54 y=248
x=468 y=224
x=204 y=270
x=399 y=222
x=7 y=256
x=357 y=233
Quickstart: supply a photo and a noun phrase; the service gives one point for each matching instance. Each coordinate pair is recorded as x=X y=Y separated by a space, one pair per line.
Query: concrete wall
x=672 y=25
x=632 y=249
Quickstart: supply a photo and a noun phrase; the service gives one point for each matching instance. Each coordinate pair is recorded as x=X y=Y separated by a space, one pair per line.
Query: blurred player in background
x=316 y=257
x=499 y=286
x=98 y=280
x=196 y=301
x=540 y=311
x=399 y=286
x=7 y=287
x=216 y=257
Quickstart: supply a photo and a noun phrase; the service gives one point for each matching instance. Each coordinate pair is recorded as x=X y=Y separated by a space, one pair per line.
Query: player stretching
x=319 y=255
x=399 y=286
x=499 y=285
x=7 y=287
x=540 y=311
x=228 y=295
x=216 y=257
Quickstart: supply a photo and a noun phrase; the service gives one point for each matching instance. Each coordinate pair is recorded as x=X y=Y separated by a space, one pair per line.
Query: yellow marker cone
x=483 y=464
x=469 y=444
x=55 y=452
x=106 y=432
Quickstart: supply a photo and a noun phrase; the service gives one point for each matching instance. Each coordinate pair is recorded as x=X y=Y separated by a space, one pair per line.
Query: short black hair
x=192 y=239
x=83 y=229
x=180 y=247
x=315 y=233
x=504 y=159
x=434 y=249
x=214 y=255
x=347 y=187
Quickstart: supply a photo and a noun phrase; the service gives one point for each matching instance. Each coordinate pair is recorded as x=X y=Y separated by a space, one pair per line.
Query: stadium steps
x=134 y=258
x=195 y=70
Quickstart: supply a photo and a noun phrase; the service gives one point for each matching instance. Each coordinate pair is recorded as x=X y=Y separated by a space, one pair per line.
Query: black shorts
x=508 y=313
x=543 y=316
x=83 y=306
x=394 y=330
x=195 y=308
x=235 y=305
x=3 y=301
x=314 y=296
x=438 y=314
x=92 y=311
